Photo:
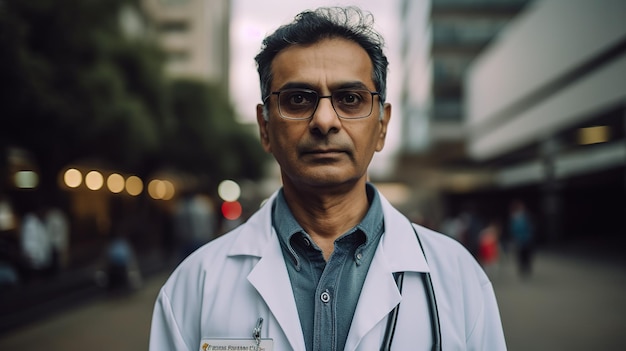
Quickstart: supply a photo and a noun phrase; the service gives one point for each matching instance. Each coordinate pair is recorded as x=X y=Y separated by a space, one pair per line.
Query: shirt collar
x=286 y=225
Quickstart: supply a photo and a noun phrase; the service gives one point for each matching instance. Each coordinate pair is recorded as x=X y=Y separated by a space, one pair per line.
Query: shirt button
x=359 y=256
x=307 y=242
x=325 y=297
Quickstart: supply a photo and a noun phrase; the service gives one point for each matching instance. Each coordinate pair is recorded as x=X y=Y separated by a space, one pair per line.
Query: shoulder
x=232 y=252
x=437 y=244
x=460 y=283
x=206 y=260
x=449 y=259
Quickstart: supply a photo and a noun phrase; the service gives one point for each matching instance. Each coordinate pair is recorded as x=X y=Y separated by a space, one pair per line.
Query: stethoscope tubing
x=432 y=309
x=393 y=317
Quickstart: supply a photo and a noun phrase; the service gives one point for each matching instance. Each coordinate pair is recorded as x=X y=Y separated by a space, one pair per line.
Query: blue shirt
x=327 y=293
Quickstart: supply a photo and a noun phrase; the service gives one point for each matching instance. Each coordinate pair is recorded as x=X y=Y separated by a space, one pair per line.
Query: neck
x=327 y=214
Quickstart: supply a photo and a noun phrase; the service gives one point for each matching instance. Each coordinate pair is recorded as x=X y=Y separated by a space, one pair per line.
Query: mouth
x=323 y=151
x=324 y=155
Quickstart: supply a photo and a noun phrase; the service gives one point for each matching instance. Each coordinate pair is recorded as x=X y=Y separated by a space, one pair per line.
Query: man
x=521 y=231
x=327 y=263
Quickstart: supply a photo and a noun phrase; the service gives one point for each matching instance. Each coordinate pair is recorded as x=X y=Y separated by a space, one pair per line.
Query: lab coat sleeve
x=165 y=332
x=487 y=333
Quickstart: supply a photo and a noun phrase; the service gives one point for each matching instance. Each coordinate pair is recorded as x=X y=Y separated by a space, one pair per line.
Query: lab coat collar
x=399 y=244
x=398 y=251
x=256 y=233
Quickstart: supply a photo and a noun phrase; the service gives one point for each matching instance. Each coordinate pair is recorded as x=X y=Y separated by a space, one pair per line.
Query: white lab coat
x=222 y=289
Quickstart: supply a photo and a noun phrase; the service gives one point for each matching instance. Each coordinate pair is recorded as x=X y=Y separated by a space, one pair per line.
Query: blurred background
x=128 y=138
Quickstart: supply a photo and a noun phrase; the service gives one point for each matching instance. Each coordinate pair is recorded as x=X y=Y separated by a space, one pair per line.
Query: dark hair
x=310 y=27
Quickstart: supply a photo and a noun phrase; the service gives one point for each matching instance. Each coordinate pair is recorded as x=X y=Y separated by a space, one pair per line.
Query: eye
x=299 y=98
x=349 y=98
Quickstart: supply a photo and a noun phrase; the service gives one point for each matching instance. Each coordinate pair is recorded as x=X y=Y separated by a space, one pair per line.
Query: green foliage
x=79 y=88
x=70 y=69
x=205 y=137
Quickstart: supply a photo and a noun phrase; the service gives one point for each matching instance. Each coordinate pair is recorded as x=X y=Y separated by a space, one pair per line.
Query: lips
x=323 y=151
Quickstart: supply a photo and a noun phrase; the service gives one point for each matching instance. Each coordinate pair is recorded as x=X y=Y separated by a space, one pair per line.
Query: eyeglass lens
x=302 y=103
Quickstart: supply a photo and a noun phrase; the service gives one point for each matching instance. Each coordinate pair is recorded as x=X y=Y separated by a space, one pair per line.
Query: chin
x=325 y=180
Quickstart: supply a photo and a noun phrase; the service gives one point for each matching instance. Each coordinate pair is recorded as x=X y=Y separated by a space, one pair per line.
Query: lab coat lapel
x=400 y=245
x=269 y=276
x=378 y=297
x=398 y=251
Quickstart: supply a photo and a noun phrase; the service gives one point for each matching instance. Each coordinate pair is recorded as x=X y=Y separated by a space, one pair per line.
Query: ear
x=263 y=128
x=384 y=122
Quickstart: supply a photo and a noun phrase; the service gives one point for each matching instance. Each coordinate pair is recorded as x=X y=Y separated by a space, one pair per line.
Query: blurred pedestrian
x=36 y=244
x=121 y=268
x=57 y=226
x=489 y=248
x=327 y=263
x=11 y=259
x=195 y=222
x=522 y=233
x=472 y=226
x=454 y=227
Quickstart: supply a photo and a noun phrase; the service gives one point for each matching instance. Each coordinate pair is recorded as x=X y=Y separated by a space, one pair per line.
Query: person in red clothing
x=489 y=247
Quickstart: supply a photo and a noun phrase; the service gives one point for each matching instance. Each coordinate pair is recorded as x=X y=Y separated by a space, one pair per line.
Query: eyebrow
x=352 y=85
x=296 y=85
x=342 y=85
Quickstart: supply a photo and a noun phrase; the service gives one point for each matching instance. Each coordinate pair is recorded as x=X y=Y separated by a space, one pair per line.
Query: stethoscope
x=432 y=308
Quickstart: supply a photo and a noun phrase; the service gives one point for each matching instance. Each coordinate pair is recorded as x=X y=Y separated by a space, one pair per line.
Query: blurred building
x=194 y=35
x=545 y=110
x=434 y=160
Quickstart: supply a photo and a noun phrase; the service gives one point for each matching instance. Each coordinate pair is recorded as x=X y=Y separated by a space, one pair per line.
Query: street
x=569 y=303
x=109 y=323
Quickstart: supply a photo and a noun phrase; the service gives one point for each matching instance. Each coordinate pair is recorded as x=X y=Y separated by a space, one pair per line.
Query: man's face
x=323 y=150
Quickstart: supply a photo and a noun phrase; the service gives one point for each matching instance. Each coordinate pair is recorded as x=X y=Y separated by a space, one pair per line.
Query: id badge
x=237 y=345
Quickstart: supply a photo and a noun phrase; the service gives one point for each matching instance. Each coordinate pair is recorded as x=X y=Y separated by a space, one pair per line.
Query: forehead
x=327 y=63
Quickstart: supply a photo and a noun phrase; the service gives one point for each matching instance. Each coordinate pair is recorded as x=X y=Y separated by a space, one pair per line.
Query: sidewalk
x=573 y=301
x=47 y=297
x=120 y=323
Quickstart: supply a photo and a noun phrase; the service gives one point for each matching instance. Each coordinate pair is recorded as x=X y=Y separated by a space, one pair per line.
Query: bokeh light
x=170 y=190
x=94 y=180
x=156 y=189
x=73 y=178
x=26 y=179
x=134 y=185
x=229 y=190
x=231 y=210
x=115 y=183
x=161 y=189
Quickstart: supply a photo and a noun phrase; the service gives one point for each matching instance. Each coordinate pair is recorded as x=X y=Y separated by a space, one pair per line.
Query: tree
x=79 y=87
x=205 y=138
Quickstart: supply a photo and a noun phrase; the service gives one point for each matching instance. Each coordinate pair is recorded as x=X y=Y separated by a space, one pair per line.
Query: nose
x=325 y=119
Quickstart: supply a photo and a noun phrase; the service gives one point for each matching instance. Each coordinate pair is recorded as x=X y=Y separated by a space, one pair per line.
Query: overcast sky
x=253 y=19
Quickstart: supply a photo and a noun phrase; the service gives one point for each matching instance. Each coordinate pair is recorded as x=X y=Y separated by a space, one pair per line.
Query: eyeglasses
x=301 y=104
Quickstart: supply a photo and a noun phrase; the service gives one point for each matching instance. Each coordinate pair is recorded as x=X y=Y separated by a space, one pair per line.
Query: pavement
x=112 y=322
x=572 y=301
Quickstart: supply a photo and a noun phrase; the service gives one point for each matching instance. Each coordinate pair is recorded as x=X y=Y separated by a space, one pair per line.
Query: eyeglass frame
x=319 y=98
